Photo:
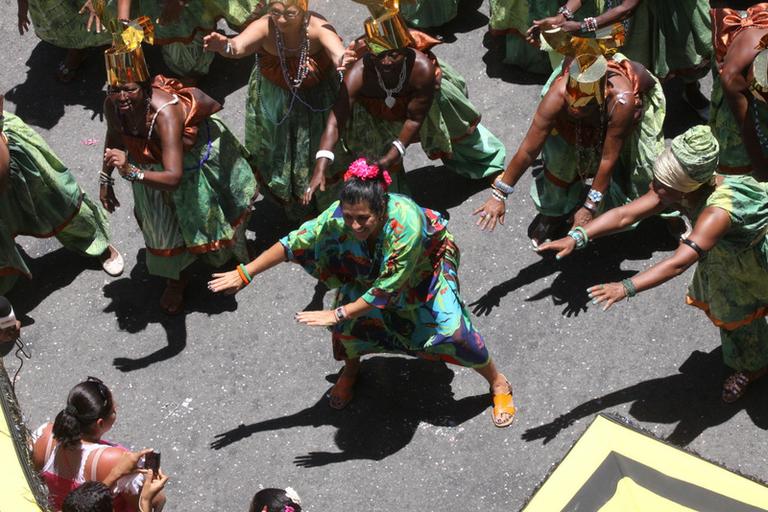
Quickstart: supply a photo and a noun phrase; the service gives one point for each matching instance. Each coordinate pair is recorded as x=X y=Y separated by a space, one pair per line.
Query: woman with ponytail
x=395 y=267
x=71 y=451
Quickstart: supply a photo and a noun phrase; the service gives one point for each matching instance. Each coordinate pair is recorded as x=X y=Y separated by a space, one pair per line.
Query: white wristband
x=228 y=49
x=324 y=153
x=400 y=147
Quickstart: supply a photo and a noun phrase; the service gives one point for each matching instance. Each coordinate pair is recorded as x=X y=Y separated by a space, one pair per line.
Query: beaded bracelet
x=244 y=275
x=629 y=288
x=134 y=175
x=567 y=14
x=589 y=25
x=498 y=195
x=579 y=235
x=106 y=179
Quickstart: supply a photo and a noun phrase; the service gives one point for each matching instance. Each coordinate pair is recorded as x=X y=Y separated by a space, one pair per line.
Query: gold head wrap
x=302 y=5
x=758 y=85
x=125 y=60
x=587 y=72
x=385 y=29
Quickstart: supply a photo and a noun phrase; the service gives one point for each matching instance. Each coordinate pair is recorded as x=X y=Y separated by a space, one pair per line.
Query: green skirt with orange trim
x=207 y=214
x=731 y=281
x=42 y=199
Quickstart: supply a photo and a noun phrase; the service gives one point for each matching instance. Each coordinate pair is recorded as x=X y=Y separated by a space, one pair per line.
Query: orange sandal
x=503 y=404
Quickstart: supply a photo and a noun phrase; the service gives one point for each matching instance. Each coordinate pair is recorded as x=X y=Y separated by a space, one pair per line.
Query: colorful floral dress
x=731 y=281
x=410 y=277
x=727 y=24
x=283 y=130
x=451 y=131
x=42 y=199
x=572 y=153
x=207 y=214
x=429 y=13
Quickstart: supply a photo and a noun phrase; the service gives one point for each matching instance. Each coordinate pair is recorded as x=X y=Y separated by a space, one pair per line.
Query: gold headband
x=586 y=80
x=125 y=60
x=302 y=5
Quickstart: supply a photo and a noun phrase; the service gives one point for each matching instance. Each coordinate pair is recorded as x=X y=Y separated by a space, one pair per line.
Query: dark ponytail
x=276 y=500
x=87 y=402
x=369 y=190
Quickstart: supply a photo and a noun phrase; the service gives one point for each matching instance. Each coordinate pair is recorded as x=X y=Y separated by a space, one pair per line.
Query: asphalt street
x=232 y=391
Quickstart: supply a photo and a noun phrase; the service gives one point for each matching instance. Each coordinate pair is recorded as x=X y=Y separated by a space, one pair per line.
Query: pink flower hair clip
x=361 y=170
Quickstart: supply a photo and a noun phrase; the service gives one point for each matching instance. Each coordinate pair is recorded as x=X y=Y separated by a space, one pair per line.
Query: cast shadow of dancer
x=600 y=262
x=439 y=189
x=691 y=398
x=50 y=272
x=135 y=303
x=393 y=397
x=41 y=99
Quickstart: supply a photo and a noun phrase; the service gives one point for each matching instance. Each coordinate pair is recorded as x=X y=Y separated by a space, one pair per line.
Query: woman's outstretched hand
x=226 y=282
x=564 y=247
x=607 y=294
x=323 y=318
x=215 y=42
x=490 y=213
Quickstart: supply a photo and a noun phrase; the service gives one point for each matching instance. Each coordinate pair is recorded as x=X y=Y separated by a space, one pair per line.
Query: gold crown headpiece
x=758 y=84
x=385 y=29
x=587 y=71
x=125 y=60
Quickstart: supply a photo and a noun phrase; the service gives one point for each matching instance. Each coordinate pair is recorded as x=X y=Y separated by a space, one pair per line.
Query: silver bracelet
x=567 y=14
x=228 y=49
x=503 y=187
x=400 y=147
x=324 y=153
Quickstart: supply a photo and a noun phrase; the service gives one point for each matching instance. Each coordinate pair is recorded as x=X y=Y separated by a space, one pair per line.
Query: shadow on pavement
x=495 y=67
x=467 y=19
x=50 y=272
x=600 y=262
x=136 y=304
x=690 y=398
x=392 y=398
x=435 y=187
x=41 y=99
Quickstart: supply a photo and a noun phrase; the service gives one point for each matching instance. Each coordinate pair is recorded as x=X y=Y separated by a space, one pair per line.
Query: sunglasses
x=104 y=393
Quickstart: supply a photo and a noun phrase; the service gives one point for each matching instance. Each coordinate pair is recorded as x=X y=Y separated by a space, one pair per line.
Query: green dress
x=451 y=131
x=43 y=199
x=58 y=22
x=512 y=19
x=571 y=156
x=429 y=13
x=670 y=38
x=410 y=277
x=283 y=130
x=731 y=280
x=206 y=216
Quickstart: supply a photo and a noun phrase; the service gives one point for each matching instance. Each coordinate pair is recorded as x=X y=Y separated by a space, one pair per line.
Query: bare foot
x=172 y=300
x=342 y=392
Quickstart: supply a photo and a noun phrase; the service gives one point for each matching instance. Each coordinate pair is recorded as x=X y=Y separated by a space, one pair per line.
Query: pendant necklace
x=390 y=101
